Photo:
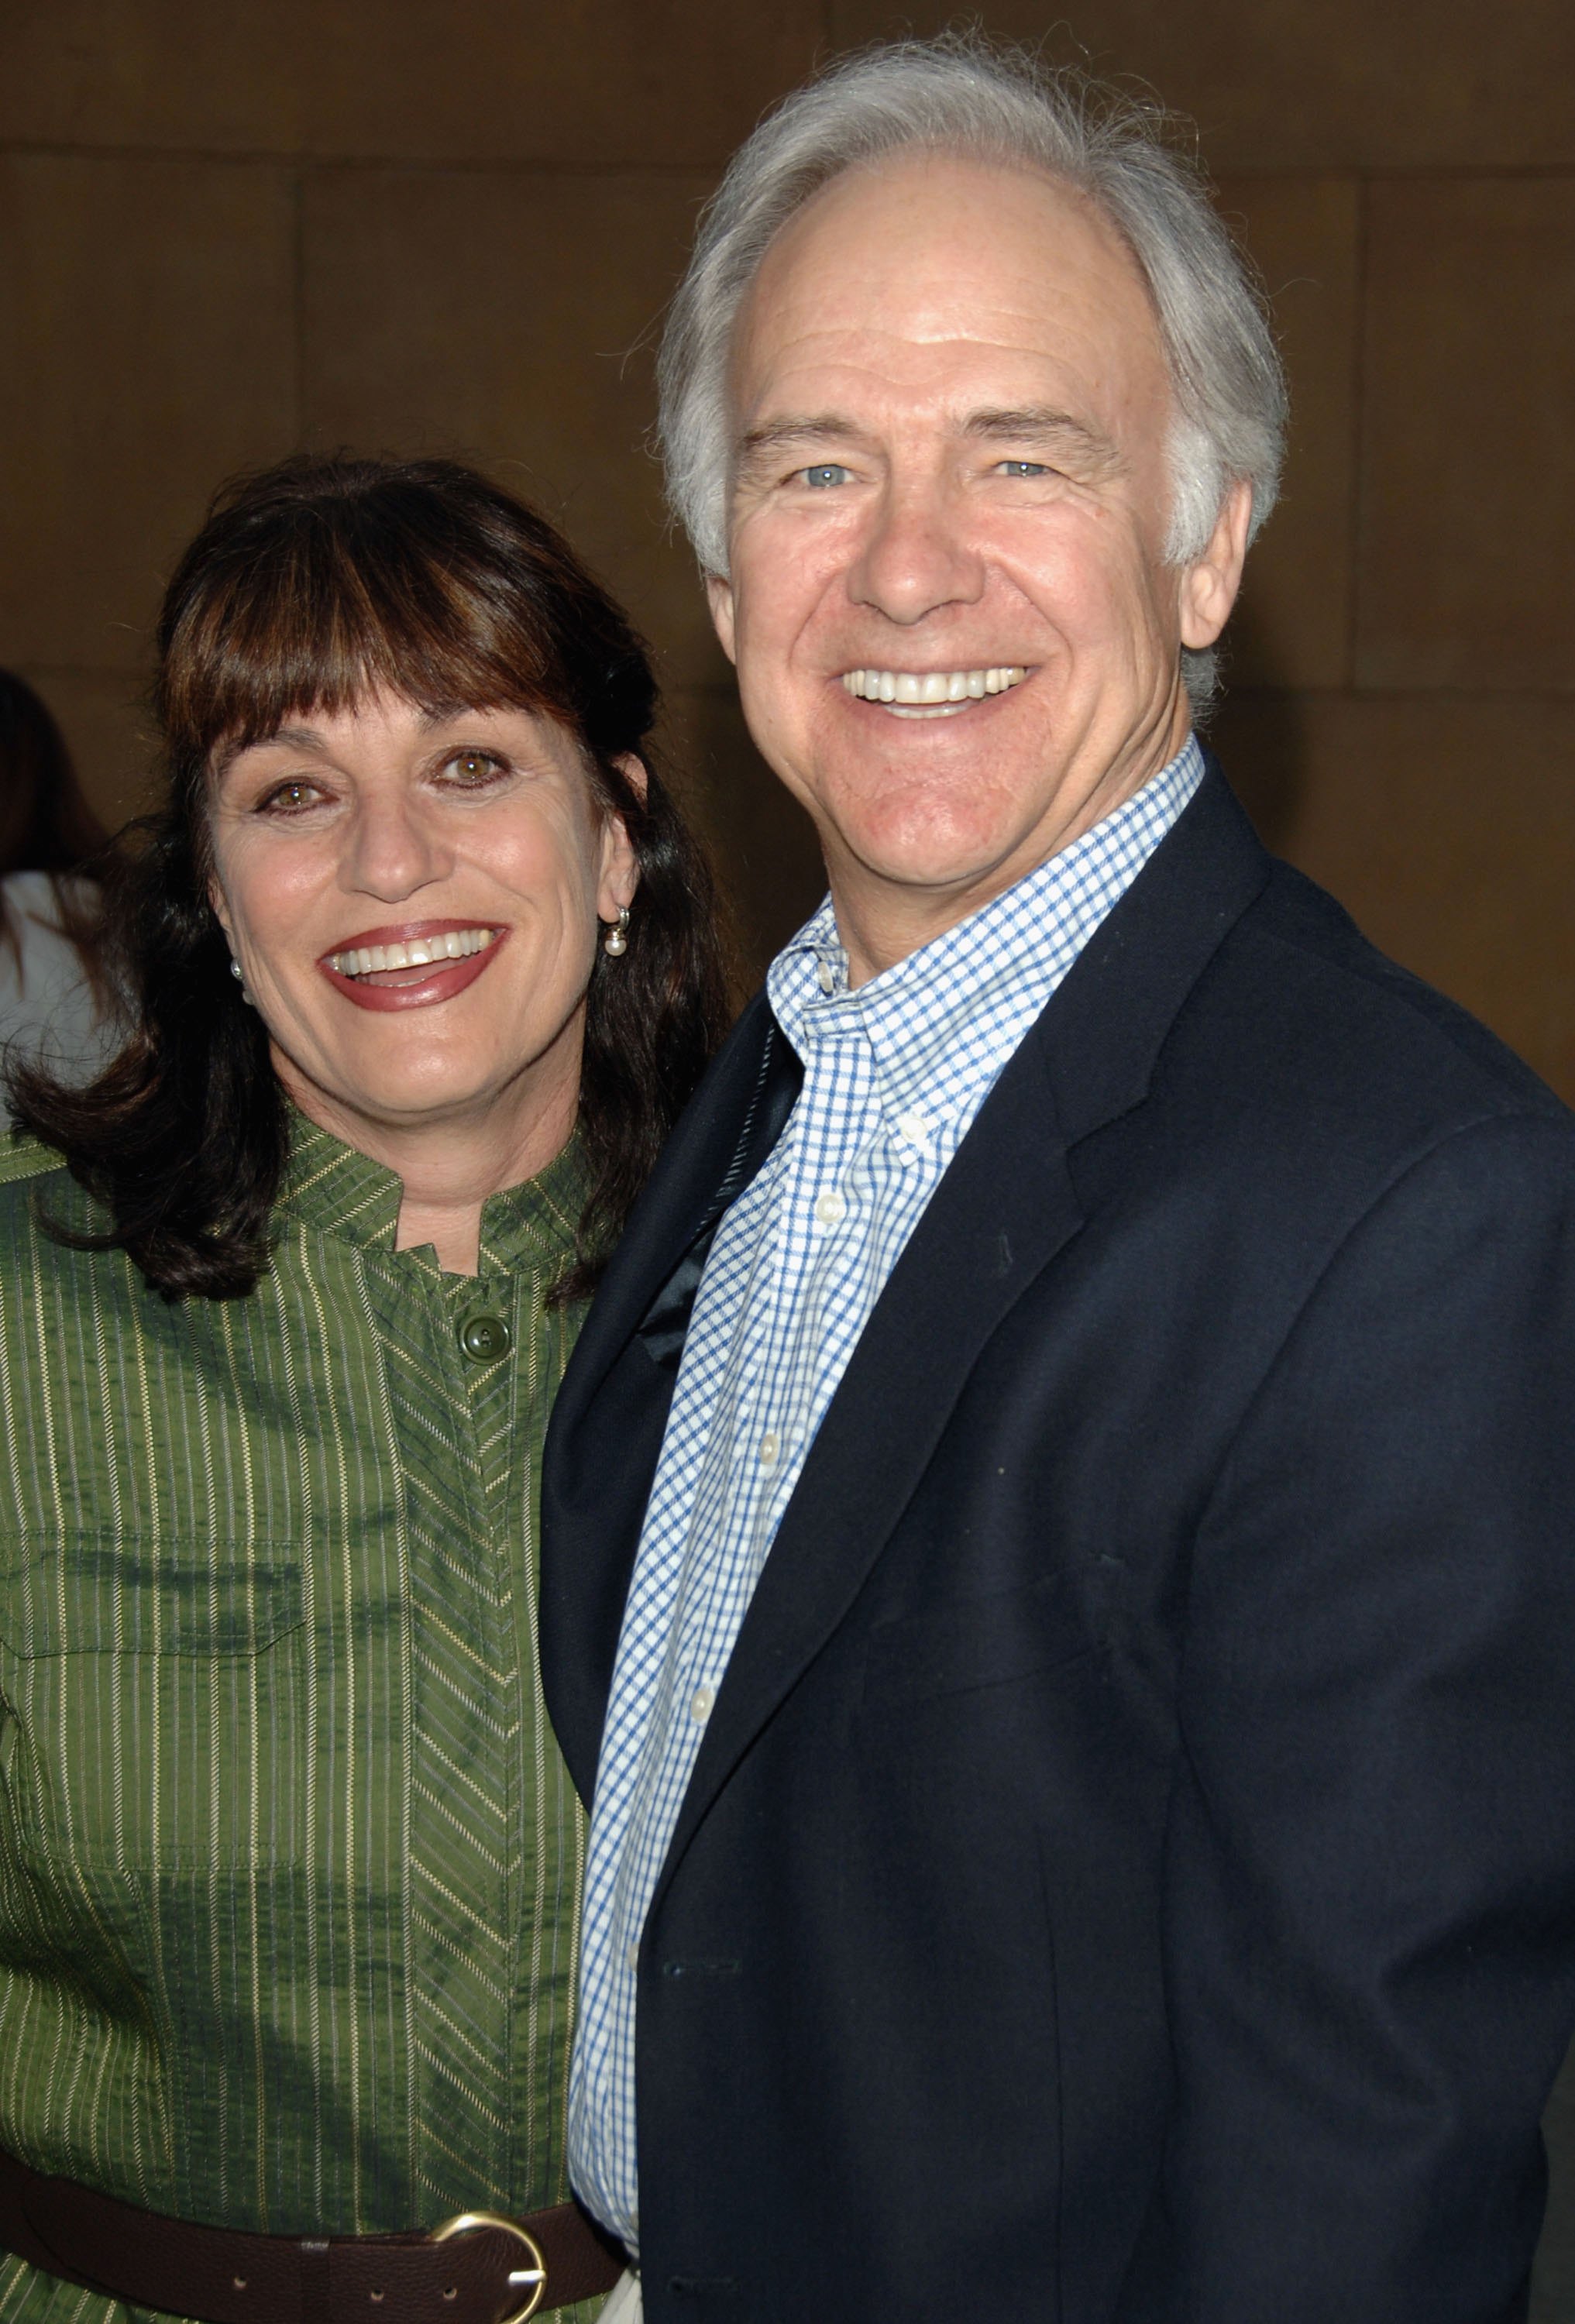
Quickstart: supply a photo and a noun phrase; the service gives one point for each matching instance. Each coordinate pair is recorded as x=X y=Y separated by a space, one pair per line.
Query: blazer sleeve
x=1369 y=1916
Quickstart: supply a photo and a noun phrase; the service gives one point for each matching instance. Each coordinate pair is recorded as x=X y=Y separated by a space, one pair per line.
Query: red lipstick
x=420 y=986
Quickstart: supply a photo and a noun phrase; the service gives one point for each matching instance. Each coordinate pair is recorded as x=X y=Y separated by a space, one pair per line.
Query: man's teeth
x=420 y=952
x=932 y=689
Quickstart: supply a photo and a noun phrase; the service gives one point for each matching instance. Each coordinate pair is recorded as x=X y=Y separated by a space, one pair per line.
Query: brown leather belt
x=477 y=2269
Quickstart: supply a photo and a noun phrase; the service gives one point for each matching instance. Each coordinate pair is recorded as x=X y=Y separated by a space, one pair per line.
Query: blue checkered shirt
x=894 y=1073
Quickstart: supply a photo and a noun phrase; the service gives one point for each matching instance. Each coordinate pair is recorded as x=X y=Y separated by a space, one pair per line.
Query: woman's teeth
x=933 y=693
x=419 y=952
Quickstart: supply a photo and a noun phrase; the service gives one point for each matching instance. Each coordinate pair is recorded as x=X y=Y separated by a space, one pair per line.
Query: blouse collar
x=333 y=1189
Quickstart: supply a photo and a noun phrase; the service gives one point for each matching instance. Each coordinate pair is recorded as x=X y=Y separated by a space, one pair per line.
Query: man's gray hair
x=961 y=94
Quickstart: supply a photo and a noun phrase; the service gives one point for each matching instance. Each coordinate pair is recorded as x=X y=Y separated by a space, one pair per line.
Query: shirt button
x=770 y=1446
x=830 y=1208
x=633 y=1957
x=914 y=1127
x=828 y=977
x=700 y=1703
x=486 y=1338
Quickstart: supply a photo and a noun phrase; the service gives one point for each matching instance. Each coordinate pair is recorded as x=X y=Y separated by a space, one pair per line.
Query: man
x=1082 y=1725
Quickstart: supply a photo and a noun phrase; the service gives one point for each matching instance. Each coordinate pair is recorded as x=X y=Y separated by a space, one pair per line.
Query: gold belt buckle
x=467 y=2222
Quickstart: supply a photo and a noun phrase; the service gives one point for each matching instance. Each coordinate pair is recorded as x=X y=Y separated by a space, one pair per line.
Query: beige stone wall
x=227 y=231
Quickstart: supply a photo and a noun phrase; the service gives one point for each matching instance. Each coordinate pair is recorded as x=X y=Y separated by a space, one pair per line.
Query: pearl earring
x=235 y=972
x=616 y=943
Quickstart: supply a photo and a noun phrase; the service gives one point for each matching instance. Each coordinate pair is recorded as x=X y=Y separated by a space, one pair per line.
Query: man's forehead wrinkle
x=1028 y=368
x=890 y=323
x=880 y=236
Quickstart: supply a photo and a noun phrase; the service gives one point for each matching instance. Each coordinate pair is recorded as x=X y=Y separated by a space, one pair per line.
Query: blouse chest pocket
x=153 y=1690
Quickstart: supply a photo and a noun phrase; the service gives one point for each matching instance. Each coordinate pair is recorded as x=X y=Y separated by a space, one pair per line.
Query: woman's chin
x=431 y=1095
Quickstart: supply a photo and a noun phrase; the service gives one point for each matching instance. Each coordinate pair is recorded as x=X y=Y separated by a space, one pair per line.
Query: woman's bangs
x=321 y=629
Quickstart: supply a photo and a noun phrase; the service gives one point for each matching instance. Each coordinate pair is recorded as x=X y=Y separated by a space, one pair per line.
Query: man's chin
x=930 y=865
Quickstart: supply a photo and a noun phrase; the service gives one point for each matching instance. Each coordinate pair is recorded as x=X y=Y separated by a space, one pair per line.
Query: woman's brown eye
x=290 y=795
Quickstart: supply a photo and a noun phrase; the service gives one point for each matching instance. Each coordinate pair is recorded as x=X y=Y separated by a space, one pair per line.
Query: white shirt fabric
x=46 y=1007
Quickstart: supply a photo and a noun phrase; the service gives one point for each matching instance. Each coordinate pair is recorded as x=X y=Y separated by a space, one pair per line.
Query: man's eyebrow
x=1040 y=424
x=797 y=427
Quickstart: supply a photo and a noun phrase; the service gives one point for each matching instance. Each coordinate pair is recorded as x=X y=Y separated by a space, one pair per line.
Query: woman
x=54 y=992
x=421 y=965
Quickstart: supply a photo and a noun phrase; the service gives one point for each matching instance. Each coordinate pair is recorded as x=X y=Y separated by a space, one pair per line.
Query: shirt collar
x=926 y=1017
x=334 y=1190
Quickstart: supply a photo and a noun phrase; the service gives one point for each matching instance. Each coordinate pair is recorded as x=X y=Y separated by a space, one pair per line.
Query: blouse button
x=486 y=1338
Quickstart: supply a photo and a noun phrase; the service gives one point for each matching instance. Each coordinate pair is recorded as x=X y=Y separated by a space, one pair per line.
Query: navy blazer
x=1128 y=1874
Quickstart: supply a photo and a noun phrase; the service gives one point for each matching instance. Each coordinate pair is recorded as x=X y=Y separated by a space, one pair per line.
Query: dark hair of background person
x=46 y=825
x=313 y=584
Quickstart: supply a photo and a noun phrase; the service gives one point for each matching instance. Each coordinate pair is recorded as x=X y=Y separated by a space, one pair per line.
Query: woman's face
x=470 y=841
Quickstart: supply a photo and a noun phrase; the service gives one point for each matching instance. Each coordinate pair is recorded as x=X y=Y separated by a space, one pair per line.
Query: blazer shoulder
x=1307 y=1073
x=1339 y=1004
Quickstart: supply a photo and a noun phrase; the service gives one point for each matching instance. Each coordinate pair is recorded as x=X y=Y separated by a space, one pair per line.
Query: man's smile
x=933 y=693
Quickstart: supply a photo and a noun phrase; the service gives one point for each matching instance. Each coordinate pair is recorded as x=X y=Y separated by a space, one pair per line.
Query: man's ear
x=1208 y=586
x=719 y=591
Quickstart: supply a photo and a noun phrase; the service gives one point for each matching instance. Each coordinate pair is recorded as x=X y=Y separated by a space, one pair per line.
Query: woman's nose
x=394 y=850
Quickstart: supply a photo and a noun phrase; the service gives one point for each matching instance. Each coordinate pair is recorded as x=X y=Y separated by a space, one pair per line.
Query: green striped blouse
x=290 y=1864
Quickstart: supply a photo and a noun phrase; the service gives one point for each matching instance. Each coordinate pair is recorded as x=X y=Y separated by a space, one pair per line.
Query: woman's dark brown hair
x=46 y=825
x=312 y=585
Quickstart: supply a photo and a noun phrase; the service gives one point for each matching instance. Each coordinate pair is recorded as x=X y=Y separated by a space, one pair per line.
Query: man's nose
x=395 y=849
x=916 y=557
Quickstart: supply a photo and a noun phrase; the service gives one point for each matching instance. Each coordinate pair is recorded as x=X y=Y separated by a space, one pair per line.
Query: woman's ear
x=620 y=864
x=634 y=772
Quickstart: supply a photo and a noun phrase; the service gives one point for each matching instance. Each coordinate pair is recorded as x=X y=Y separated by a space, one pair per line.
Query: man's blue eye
x=827 y=474
x=1025 y=467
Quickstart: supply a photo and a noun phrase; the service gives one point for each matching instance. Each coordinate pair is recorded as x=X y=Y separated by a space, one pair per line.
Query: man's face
x=952 y=408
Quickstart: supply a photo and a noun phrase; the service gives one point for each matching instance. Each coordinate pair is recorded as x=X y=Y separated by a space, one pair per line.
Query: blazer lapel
x=730 y=1127
x=1002 y=1212
x=665 y=1325
x=607 y=1419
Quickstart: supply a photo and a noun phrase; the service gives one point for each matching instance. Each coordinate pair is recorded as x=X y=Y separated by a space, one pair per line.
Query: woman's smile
x=413 y=966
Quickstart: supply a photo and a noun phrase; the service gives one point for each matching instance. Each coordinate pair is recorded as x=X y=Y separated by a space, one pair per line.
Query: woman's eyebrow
x=289 y=738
